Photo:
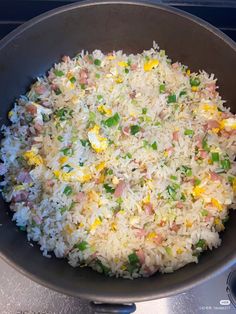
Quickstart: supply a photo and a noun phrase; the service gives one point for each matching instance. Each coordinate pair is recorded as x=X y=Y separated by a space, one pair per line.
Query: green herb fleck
x=97 y=62
x=162 y=88
x=58 y=73
x=72 y=79
x=171 y=98
x=215 y=157
x=201 y=244
x=81 y=246
x=68 y=190
x=144 y=110
x=112 y=121
x=108 y=188
x=134 y=129
x=154 y=145
x=68 y=151
x=189 y=132
x=194 y=81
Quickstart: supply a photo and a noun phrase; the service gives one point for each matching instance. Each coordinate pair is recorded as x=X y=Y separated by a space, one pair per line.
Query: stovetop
x=20 y=295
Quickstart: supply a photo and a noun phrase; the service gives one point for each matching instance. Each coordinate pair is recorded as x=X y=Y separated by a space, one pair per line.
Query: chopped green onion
x=194 y=81
x=225 y=164
x=172 y=192
x=144 y=110
x=173 y=178
x=45 y=117
x=97 y=75
x=205 y=145
x=97 y=62
x=81 y=164
x=104 y=269
x=100 y=98
x=162 y=88
x=204 y=212
x=189 y=132
x=168 y=250
x=128 y=155
x=63 y=209
x=85 y=142
x=63 y=114
x=215 y=157
x=58 y=72
x=67 y=168
x=81 y=246
x=134 y=129
x=82 y=86
x=68 y=190
x=186 y=170
x=109 y=171
x=154 y=145
x=92 y=116
x=183 y=197
x=171 y=98
x=133 y=259
x=112 y=121
x=182 y=93
x=126 y=70
x=68 y=151
x=119 y=200
x=57 y=91
x=231 y=180
x=72 y=79
x=197 y=182
x=201 y=244
x=108 y=188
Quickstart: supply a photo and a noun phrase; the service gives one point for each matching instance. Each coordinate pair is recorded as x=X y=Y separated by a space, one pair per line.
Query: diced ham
x=24 y=177
x=175 y=136
x=133 y=67
x=227 y=134
x=37 y=219
x=148 y=207
x=170 y=150
x=226 y=115
x=40 y=89
x=20 y=196
x=198 y=140
x=140 y=233
x=65 y=58
x=179 y=205
x=87 y=59
x=162 y=223
x=120 y=189
x=126 y=130
x=211 y=87
x=214 y=176
x=203 y=154
x=141 y=256
x=49 y=183
x=38 y=127
x=31 y=109
x=3 y=169
x=148 y=271
x=83 y=76
x=211 y=124
x=132 y=94
x=80 y=196
x=175 y=65
x=208 y=218
x=158 y=239
x=175 y=227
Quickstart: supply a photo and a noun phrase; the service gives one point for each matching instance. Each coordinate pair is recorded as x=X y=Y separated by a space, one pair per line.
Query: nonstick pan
x=30 y=50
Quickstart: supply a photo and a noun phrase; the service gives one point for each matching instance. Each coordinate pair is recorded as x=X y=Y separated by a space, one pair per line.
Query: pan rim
x=224 y=264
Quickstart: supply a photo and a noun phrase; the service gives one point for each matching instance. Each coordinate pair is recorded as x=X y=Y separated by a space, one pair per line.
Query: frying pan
x=31 y=50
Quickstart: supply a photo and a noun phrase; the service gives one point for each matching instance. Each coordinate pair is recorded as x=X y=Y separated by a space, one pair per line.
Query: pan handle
x=109 y=308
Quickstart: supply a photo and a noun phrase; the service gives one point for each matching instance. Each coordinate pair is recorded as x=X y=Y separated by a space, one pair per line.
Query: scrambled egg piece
x=100 y=166
x=32 y=157
x=217 y=204
x=98 y=143
x=97 y=222
x=63 y=159
x=77 y=175
x=229 y=123
x=147 y=199
x=104 y=110
x=151 y=64
x=123 y=64
x=207 y=109
x=198 y=191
